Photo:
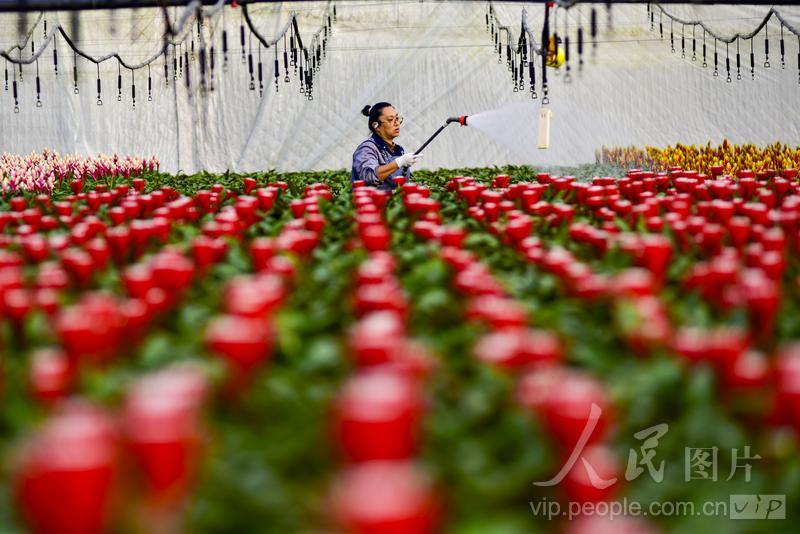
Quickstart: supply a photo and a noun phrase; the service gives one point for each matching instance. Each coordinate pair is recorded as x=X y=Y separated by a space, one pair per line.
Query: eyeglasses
x=392 y=120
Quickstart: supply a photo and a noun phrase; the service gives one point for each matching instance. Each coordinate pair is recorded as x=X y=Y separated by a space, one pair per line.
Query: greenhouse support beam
x=71 y=5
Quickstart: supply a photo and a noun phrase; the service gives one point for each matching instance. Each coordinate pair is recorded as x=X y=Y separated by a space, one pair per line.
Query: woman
x=379 y=159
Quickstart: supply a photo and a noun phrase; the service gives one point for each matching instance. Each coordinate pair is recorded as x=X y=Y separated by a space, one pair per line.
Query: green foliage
x=269 y=457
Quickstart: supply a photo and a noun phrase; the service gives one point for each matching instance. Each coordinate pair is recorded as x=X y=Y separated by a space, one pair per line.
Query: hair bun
x=365 y=110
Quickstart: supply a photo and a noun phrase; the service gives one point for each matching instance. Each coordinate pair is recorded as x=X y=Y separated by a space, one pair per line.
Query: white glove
x=407 y=160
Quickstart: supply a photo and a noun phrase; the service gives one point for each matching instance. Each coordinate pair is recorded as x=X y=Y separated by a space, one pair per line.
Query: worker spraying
x=378 y=159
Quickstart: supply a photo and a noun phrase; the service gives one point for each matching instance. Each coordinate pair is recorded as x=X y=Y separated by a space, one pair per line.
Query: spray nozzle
x=462 y=120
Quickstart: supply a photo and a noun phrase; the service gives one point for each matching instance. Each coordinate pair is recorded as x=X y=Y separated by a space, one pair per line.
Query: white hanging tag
x=545 y=116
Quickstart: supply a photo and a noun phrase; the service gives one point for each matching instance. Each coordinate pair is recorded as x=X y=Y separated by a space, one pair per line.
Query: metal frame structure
x=71 y=5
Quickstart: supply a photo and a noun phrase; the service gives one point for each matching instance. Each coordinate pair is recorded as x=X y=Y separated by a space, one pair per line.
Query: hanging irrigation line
x=267 y=43
x=526 y=48
x=192 y=12
x=23 y=44
x=170 y=33
x=772 y=12
x=175 y=35
x=533 y=50
x=311 y=55
x=548 y=48
x=735 y=38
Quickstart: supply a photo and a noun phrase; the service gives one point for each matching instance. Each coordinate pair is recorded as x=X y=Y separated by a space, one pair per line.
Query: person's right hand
x=407 y=160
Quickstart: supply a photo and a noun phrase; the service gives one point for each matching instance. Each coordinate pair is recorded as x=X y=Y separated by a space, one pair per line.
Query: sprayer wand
x=462 y=120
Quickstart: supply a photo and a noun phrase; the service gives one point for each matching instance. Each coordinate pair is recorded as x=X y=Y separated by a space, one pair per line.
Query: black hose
x=461 y=120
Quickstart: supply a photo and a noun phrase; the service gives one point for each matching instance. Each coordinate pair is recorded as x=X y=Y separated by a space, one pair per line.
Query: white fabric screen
x=431 y=59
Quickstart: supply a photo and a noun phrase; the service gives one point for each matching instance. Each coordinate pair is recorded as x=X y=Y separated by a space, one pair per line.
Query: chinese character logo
x=638 y=460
